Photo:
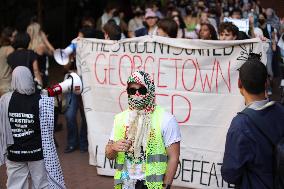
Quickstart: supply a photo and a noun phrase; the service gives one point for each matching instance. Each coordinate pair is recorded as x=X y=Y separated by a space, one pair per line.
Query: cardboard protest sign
x=195 y=80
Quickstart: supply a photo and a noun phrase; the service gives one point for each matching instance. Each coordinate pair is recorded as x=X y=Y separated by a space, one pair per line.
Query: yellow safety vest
x=156 y=156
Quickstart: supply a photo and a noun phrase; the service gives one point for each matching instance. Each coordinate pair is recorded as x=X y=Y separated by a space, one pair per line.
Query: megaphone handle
x=59 y=101
x=71 y=82
x=61 y=55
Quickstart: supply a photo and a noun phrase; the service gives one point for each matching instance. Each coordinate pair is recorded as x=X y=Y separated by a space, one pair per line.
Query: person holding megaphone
x=66 y=58
x=40 y=44
x=26 y=140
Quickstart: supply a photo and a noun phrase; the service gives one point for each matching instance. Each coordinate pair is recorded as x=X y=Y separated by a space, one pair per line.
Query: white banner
x=195 y=80
x=242 y=24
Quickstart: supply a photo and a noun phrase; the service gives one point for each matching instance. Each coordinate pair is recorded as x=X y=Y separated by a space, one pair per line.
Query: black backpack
x=278 y=147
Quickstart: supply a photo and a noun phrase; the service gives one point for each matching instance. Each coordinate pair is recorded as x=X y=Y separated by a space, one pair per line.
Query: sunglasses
x=141 y=90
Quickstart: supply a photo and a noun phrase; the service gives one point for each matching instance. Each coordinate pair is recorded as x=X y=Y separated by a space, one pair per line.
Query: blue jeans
x=71 y=121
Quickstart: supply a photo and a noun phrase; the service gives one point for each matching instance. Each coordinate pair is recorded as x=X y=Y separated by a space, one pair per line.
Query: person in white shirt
x=145 y=140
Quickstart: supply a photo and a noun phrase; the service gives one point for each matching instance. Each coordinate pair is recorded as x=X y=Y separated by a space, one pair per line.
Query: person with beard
x=145 y=139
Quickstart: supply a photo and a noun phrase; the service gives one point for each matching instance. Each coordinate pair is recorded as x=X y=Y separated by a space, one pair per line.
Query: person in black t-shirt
x=25 y=156
x=23 y=57
x=42 y=47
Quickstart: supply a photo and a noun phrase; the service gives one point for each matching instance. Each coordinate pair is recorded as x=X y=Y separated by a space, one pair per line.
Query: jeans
x=71 y=121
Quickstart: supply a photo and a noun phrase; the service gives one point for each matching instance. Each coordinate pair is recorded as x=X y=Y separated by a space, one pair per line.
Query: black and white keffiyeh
x=22 y=82
x=51 y=160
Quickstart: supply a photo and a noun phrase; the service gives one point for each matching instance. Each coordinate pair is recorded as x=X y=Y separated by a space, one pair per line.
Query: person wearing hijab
x=26 y=135
x=145 y=139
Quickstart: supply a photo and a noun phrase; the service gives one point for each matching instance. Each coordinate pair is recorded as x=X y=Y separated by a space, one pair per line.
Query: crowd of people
x=189 y=19
x=198 y=19
x=24 y=55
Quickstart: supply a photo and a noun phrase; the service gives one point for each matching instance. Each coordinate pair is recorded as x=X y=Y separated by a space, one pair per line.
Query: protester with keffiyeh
x=145 y=140
x=26 y=135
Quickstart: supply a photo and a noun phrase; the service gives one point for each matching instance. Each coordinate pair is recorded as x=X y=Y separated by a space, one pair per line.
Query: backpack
x=278 y=147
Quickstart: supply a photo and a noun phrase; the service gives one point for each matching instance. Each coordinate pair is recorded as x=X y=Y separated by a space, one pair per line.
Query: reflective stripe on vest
x=157 y=158
x=118 y=181
x=150 y=159
x=118 y=166
x=155 y=178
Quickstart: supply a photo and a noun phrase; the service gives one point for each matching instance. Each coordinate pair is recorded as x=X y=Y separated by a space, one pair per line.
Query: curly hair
x=230 y=27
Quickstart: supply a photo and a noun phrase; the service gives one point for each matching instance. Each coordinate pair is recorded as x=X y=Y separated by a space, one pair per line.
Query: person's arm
x=37 y=72
x=171 y=137
x=273 y=40
x=112 y=148
x=173 y=152
x=131 y=29
x=110 y=153
x=50 y=48
x=239 y=150
x=67 y=66
x=251 y=26
x=131 y=34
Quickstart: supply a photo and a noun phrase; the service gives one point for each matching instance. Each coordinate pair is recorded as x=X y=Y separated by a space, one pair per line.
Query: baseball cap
x=150 y=14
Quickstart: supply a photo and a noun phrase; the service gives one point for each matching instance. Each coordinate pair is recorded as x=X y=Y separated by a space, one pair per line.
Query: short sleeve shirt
x=22 y=57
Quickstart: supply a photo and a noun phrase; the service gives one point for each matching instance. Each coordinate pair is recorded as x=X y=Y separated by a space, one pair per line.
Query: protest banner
x=195 y=80
x=242 y=24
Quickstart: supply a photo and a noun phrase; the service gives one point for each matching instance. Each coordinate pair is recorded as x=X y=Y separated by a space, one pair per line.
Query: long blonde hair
x=34 y=30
